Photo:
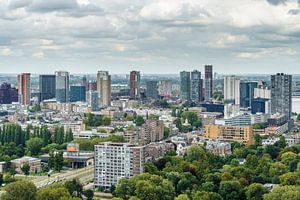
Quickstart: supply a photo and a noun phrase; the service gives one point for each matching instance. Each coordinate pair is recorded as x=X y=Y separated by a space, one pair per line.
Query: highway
x=84 y=175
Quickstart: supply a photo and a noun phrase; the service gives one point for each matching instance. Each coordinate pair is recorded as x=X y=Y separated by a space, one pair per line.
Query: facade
x=134 y=82
x=34 y=163
x=230 y=133
x=62 y=86
x=93 y=100
x=263 y=93
x=152 y=89
x=281 y=94
x=152 y=131
x=165 y=88
x=208 y=82
x=77 y=93
x=259 y=105
x=185 y=85
x=104 y=88
x=24 y=88
x=114 y=161
x=247 y=93
x=47 y=87
x=218 y=148
x=196 y=86
x=232 y=89
x=8 y=94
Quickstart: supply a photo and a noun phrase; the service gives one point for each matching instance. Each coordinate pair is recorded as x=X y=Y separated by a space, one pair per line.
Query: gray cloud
x=53 y=5
x=277 y=2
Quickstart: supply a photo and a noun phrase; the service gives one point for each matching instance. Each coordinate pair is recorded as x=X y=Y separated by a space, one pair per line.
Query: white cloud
x=39 y=55
x=6 y=51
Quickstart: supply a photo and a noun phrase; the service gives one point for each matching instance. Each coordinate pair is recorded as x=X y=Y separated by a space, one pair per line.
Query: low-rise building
x=34 y=163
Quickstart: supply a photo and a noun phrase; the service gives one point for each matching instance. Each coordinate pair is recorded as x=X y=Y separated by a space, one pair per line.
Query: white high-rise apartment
x=232 y=89
x=104 y=88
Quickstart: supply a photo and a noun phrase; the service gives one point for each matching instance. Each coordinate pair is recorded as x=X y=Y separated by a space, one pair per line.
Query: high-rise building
x=104 y=88
x=85 y=83
x=47 y=87
x=196 y=86
x=135 y=78
x=152 y=89
x=247 y=93
x=24 y=88
x=62 y=86
x=92 y=85
x=165 y=88
x=232 y=89
x=77 y=93
x=185 y=85
x=114 y=161
x=93 y=100
x=152 y=131
x=281 y=94
x=208 y=82
x=8 y=94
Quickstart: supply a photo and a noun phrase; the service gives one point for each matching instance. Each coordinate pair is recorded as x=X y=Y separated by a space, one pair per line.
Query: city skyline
x=149 y=36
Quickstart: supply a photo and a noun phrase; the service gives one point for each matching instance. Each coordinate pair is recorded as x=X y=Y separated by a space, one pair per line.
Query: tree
x=231 y=190
x=53 y=192
x=69 y=135
x=206 y=196
x=289 y=178
x=166 y=132
x=74 y=187
x=255 y=191
x=21 y=190
x=34 y=145
x=284 y=192
x=196 y=153
x=182 y=197
x=26 y=168
x=124 y=189
x=139 y=121
x=58 y=161
x=89 y=194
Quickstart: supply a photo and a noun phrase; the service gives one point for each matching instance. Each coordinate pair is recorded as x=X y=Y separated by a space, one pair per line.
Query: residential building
x=208 y=82
x=77 y=93
x=34 y=164
x=24 y=88
x=281 y=94
x=152 y=131
x=62 y=86
x=93 y=100
x=232 y=89
x=196 y=86
x=185 y=85
x=47 y=87
x=165 y=88
x=218 y=148
x=152 y=89
x=230 y=133
x=135 y=78
x=104 y=88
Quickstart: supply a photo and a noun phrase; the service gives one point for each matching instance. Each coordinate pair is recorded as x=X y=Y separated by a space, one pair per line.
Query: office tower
x=62 y=86
x=152 y=89
x=247 y=93
x=104 y=88
x=152 y=131
x=93 y=100
x=208 y=82
x=24 y=88
x=196 y=86
x=92 y=85
x=281 y=94
x=264 y=93
x=114 y=161
x=135 y=78
x=232 y=89
x=77 y=93
x=260 y=105
x=85 y=83
x=47 y=87
x=185 y=85
x=8 y=94
x=165 y=88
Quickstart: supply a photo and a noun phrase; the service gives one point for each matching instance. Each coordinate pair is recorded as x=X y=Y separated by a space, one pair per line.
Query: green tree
x=231 y=190
x=255 y=191
x=139 y=121
x=74 y=187
x=166 y=132
x=284 y=192
x=26 y=168
x=206 y=196
x=69 y=136
x=124 y=189
x=34 y=145
x=289 y=178
x=58 y=161
x=53 y=192
x=20 y=190
x=196 y=153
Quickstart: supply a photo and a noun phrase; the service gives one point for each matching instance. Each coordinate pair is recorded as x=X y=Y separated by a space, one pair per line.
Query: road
x=83 y=175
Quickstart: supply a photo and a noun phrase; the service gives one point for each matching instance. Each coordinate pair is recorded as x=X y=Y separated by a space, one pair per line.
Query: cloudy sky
x=153 y=36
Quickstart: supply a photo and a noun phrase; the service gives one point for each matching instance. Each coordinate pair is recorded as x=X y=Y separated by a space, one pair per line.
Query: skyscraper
x=281 y=94
x=232 y=89
x=135 y=78
x=152 y=89
x=165 y=88
x=62 y=86
x=77 y=93
x=185 y=85
x=47 y=87
x=24 y=88
x=93 y=100
x=196 y=86
x=247 y=93
x=104 y=88
x=208 y=82
x=8 y=94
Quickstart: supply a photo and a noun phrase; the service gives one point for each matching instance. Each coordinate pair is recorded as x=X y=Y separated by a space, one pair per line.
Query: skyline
x=154 y=37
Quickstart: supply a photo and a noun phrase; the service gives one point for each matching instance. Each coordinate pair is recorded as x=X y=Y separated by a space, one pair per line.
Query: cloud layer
x=154 y=36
